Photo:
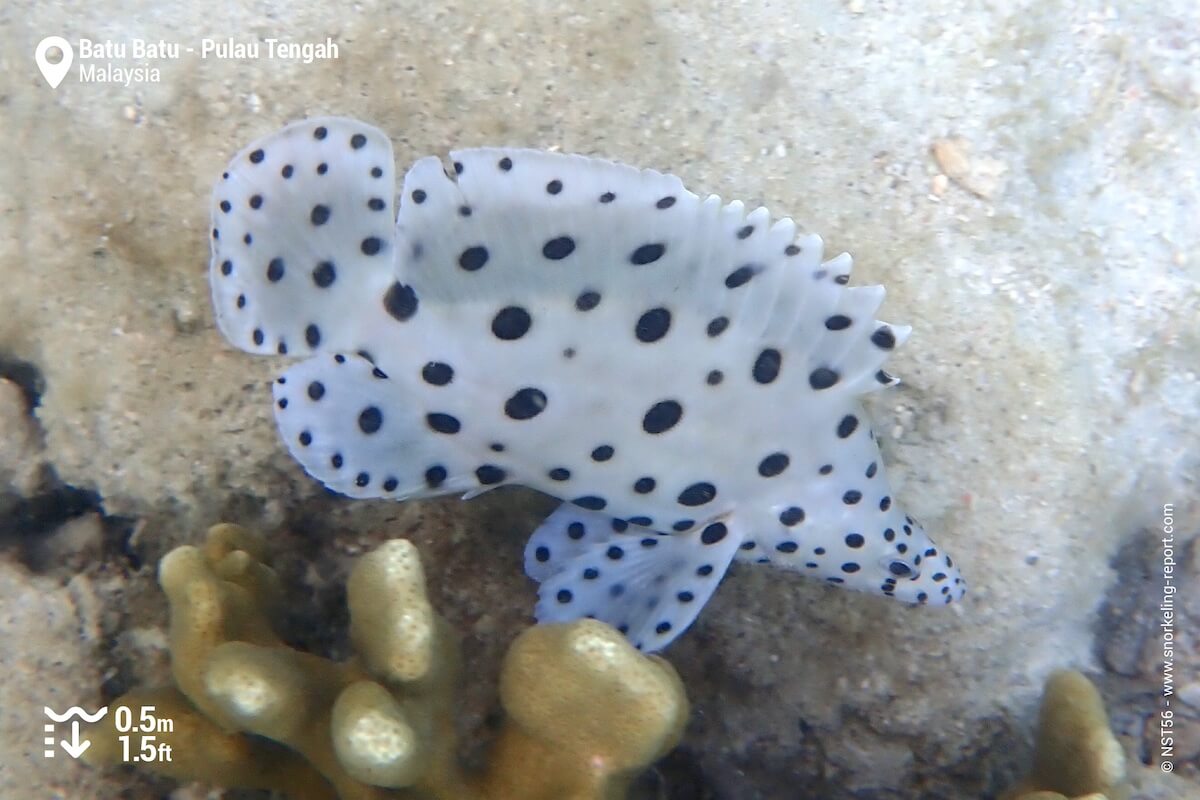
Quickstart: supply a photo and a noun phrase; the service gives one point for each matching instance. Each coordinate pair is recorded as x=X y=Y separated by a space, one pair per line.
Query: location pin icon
x=54 y=73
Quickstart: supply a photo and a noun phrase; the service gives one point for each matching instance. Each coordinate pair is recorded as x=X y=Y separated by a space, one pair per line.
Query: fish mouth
x=937 y=585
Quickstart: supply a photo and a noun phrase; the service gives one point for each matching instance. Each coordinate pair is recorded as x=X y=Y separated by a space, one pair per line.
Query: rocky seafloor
x=1023 y=178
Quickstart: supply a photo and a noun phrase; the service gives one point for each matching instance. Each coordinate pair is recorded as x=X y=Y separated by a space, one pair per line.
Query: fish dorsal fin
x=526 y=222
x=543 y=228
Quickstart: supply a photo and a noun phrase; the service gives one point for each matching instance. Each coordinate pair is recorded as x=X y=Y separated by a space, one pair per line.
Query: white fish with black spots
x=684 y=375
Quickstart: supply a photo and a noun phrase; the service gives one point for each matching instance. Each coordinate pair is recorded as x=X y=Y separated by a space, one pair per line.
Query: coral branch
x=1076 y=755
x=587 y=711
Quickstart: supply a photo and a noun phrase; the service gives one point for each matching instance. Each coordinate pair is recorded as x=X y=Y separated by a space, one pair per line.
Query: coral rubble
x=586 y=712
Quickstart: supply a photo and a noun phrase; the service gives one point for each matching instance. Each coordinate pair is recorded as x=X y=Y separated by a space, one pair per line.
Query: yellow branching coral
x=1075 y=754
x=587 y=712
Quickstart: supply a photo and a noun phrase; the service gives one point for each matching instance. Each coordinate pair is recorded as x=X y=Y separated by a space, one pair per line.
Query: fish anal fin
x=648 y=585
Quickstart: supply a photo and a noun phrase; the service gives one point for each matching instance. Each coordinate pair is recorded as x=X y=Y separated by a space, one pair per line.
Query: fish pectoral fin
x=354 y=428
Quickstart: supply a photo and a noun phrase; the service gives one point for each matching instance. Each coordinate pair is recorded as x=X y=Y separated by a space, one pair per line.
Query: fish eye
x=902 y=569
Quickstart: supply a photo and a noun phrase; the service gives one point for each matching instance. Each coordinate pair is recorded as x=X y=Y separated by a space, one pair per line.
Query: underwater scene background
x=1023 y=178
